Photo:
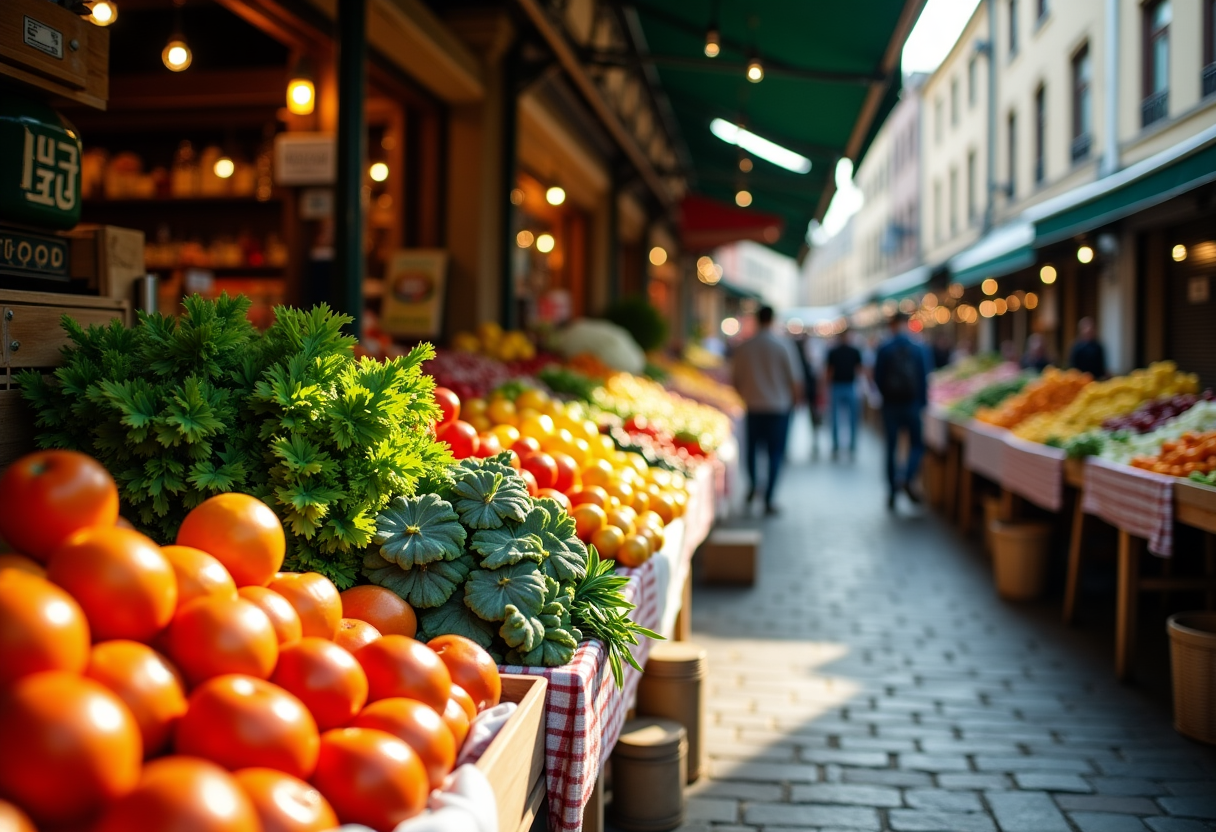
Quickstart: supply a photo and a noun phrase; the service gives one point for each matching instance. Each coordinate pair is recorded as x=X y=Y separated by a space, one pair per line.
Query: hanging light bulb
x=224 y=167
x=743 y=198
x=301 y=91
x=713 y=43
x=555 y=195
x=103 y=13
x=755 y=70
x=378 y=172
x=545 y=243
x=177 y=55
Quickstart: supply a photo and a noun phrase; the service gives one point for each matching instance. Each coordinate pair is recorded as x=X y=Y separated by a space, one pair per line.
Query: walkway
x=871 y=680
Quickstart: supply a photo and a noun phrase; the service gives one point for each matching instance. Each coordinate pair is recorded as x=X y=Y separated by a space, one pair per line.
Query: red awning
x=708 y=223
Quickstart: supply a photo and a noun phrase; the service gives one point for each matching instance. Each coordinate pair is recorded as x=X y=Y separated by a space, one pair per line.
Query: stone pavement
x=872 y=680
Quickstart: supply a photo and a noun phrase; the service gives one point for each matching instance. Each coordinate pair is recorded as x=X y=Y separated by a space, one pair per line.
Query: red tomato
x=41 y=628
x=354 y=634
x=145 y=681
x=214 y=636
x=542 y=467
x=419 y=727
x=326 y=678
x=525 y=446
x=121 y=580
x=315 y=598
x=8 y=560
x=457 y=719
x=461 y=697
x=471 y=667
x=593 y=494
x=553 y=494
x=283 y=616
x=240 y=532
x=69 y=747
x=460 y=436
x=198 y=574
x=285 y=803
x=242 y=722
x=182 y=794
x=530 y=482
x=488 y=445
x=48 y=495
x=568 y=476
x=371 y=777
x=384 y=609
x=401 y=666
x=449 y=406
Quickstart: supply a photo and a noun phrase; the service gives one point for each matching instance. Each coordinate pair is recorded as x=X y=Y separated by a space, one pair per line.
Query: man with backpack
x=901 y=373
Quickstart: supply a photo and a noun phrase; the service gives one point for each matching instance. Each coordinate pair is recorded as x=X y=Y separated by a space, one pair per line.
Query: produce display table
x=983 y=454
x=1034 y=472
x=937 y=429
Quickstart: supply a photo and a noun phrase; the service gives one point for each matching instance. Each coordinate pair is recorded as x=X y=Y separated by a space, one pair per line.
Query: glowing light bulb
x=524 y=238
x=755 y=71
x=989 y=286
x=743 y=198
x=103 y=13
x=176 y=55
x=1047 y=274
x=1085 y=254
x=1179 y=253
x=545 y=243
x=713 y=43
x=224 y=167
x=301 y=96
x=555 y=195
x=378 y=172
x=658 y=255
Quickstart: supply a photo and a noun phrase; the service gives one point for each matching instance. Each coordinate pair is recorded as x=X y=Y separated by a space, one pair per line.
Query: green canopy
x=831 y=76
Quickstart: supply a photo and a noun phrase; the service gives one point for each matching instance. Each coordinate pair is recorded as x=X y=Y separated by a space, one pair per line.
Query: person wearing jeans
x=901 y=373
x=843 y=362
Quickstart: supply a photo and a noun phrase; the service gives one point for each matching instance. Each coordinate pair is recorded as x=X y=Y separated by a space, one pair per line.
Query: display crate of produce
x=515 y=761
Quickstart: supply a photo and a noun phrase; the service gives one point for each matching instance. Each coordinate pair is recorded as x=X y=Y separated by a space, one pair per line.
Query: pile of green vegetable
x=990 y=396
x=569 y=382
x=476 y=556
x=181 y=409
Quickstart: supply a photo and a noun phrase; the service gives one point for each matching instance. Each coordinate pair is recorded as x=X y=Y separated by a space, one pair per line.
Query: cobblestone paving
x=871 y=680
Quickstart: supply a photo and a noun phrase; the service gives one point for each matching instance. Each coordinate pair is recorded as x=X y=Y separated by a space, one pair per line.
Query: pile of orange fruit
x=1054 y=390
x=1191 y=453
x=194 y=686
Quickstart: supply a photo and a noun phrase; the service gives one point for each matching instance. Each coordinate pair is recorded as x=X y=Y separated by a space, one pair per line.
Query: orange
x=144 y=680
x=535 y=425
x=599 y=472
x=593 y=494
x=651 y=519
x=419 y=727
x=326 y=678
x=588 y=519
x=641 y=501
x=47 y=496
x=663 y=506
x=284 y=803
x=315 y=598
x=382 y=608
x=461 y=697
x=215 y=636
x=501 y=411
x=458 y=722
x=508 y=435
x=620 y=489
x=241 y=532
x=623 y=518
x=354 y=634
x=121 y=580
x=41 y=628
x=471 y=668
x=182 y=794
x=652 y=535
x=198 y=574
x=607 y=541
x=401 y=666
x=21 y=563
x=70 y=746
x=241 y=722
x=371 y=777
x=283 y=616
x=532 y=398
x=634 y=551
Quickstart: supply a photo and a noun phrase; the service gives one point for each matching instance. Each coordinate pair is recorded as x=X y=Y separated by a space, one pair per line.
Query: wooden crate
x=730 y=556
x=31 y=338
x=515 y=761
x=48 y=49
x=110 y=258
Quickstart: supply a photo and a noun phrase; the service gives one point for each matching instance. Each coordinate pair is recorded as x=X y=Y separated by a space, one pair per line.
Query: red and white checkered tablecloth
x=984 y=450
x=1035 y=472
x=936 y=429
x=1138 y=502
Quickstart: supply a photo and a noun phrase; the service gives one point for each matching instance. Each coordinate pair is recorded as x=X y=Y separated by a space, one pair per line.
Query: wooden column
x=346 y=290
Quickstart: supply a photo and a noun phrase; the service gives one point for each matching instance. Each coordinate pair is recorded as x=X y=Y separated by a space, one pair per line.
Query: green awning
x=903 y=285
x=1002 y=251
x=831 y=76
x=738 y=292
x=1175 y=171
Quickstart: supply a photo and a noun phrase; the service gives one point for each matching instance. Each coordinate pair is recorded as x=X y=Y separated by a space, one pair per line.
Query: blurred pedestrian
x=1036 y=354
x=1087 y=354
x=810 y=389
x=941 y=350
x=767 y=376
x=901 y=373
x=843 y=364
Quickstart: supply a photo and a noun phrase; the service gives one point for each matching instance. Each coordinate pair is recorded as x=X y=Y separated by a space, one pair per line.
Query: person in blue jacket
x=901 y=374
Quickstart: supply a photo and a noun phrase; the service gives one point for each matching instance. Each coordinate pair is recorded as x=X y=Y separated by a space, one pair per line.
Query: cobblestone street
x=872 y=680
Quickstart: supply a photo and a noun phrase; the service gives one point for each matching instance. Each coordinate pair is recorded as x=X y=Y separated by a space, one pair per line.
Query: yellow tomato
x=588 y=430
x=532 y=399
x=599 y=472
x=633 y=551
x=606 y=445
x=622 y=490
x=624 y=518
x=662 y=505
x=581 y=451
x=637 y=461
x=471 y=408
x=481 y=423
x=536 y=425
x=607 y=541
x=659 y=476
x=508 y=435
x=651 y=519
x=501 y=411
x=560 y=441
x=641 y=502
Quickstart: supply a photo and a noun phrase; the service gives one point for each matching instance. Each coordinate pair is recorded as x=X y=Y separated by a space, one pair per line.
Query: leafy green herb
x=601 y=611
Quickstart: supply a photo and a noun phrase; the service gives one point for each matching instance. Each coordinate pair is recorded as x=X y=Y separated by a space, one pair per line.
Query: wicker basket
x=1193 y=658
x=1019 y=558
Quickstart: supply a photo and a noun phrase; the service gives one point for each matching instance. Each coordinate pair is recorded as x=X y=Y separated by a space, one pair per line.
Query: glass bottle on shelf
x=184 y=181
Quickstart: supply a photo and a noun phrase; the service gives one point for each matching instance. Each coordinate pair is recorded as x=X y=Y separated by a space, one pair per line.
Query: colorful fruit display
x=490 y=339
x=200 y=706
x=1191 y=453
x=1052 y=391
x=1156 y=413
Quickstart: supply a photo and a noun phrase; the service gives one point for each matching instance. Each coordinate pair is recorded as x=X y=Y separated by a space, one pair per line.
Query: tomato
x=382 y=608
x=241 y=722
x=607 y=541
x=21 y=563
x=284 y=803
x=121 y=580
x=624 y=518
x=41 y=628
x=526 y=446
x=214 y=636
x=599 y=472
x=419 y=727
x=634 y=551
x=354 y=634
x=325 y=677
x=69 y=747
x=371 y=777
x=535 y=424
x=568 y=476
x=654 y=536
x=146 y=683
x=457 y=720
x=622 y=490
x=401 y=666
x=182 y=794
x=316 y=600
x=198 y=574
x=240 y=532
x=471 y=667
x=47 y=496
x=488 y=445
x=588 y=519
x=502 y=411
x=593 y=494
x=461 y=697
x=460 y=436
x=641 y=501
x=530 y=482
x=13 y=819
x=283 y=616
x=556 y=496
x=449 y=405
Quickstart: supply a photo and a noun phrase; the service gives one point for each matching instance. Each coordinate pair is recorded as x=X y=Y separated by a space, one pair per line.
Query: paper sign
x=305 y=159
x=414 y=285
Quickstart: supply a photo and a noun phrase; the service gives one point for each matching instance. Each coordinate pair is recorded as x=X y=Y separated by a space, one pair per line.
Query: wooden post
x=1127 y=598
x=346 y=290
x=1074 y=559
x=964 y=499
x=593 y=815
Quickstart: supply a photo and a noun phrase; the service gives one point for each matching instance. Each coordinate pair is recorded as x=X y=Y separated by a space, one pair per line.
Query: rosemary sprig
x=601 y=611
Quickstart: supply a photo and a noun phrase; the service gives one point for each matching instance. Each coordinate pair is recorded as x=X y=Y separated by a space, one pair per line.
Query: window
x=937 y=121
x=1082 y=104
x=1042 y=9
x=1012 y=148
x=954 y=102
x=1013 y=28
x=1157 y=18
x=1040 y=135
x=937 y=211
x=1209 y=47
x=973 y=79
x=953 y=201
x=972 y=203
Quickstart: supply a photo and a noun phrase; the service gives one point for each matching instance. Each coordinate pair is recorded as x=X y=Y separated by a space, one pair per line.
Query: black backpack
x=901 y=381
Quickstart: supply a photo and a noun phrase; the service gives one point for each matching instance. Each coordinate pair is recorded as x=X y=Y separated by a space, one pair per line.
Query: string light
x=755 y=71
x=1179 y=253
x=524 y=238
x=545 y=243
x=224 y=167
x=658 y=255
x=1085 y=254
x=103 y=13
x=1047 y=274
x=301 y=95
x=176 y=55
x=1031 y=301
x=517 y=196
x=713 y=43
x=555 y=195
x=743 y=198
x=989 y=286
x=378 y=172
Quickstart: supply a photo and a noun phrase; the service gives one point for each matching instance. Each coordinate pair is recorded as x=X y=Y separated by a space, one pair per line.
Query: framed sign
x=305 y=159
x=415 y=282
